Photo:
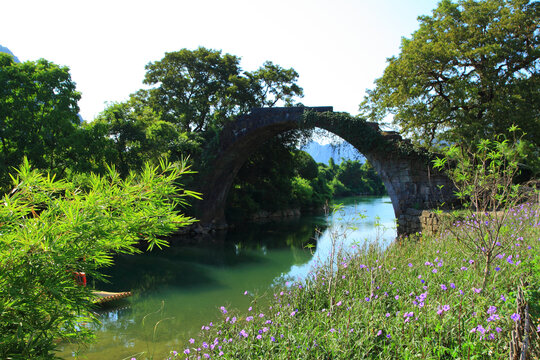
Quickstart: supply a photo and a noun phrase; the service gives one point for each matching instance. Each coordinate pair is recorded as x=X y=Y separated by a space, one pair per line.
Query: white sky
x=339 y=47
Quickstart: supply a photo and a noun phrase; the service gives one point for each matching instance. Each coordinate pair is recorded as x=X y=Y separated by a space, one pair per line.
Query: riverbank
x=418 y=297
x=263 y=216
x=193 y=277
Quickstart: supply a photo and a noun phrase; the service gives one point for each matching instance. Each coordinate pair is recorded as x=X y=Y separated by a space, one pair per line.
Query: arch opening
x=407 y=175
x=281 y=178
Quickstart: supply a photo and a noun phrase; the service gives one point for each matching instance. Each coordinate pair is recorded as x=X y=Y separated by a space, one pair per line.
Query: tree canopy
x=200 y=88
x=470 y=71
x=38 y=114
x=192 y=95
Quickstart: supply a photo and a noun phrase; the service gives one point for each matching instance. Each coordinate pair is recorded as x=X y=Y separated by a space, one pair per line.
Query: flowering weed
x=387 y=303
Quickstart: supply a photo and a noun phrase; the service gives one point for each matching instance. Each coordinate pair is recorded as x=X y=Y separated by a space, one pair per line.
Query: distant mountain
x=7 y=51
x=323 y=153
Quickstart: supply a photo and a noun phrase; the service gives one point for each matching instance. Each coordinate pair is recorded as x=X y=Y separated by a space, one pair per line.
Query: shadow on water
x=191 y=264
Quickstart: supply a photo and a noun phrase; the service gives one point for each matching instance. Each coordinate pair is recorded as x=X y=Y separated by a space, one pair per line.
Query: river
x=180 y=288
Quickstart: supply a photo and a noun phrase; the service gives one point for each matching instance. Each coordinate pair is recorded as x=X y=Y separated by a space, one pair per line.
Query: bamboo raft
x=106 y=296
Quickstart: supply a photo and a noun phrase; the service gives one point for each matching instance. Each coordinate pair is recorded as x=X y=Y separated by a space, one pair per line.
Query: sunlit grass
x=420 y=297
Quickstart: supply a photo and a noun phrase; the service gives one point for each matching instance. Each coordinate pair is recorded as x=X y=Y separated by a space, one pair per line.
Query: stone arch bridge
x=411 y=182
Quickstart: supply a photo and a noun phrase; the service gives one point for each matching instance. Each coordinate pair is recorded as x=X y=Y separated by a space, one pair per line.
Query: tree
x=125 y=130
x=272 y=84
x=306 y=167
x=51 y=229
x=201 y=88
x=469 y=72
x=351 y=175
x=38 y=114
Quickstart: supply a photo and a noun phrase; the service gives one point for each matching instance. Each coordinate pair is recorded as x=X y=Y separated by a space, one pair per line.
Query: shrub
x=483 y=176
x=51 y=229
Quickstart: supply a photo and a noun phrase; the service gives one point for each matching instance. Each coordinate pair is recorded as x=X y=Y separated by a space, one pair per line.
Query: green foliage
x=302 y=192
x=194 y=94
x=271 y=85
x=347 y=127
x=38 y=115
x=483 y=176
x=265 y=179
x=51 y=229
x=469 y=72
x=360 y=178
x=279 y=176
x=322 y=192
x=306 y=167
x=352 y=177
x=197 y=89
x=338 y=189
x=131 y=133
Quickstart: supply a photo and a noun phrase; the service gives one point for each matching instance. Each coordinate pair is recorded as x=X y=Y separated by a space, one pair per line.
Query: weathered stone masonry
x=411 y=182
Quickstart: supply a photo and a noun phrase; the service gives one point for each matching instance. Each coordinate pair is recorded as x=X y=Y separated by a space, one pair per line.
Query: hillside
x=323 y=153
x=4 y=49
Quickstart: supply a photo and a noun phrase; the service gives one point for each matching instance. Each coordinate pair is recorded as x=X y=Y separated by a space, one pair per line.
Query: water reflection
x=180 y=288
x=351 y=226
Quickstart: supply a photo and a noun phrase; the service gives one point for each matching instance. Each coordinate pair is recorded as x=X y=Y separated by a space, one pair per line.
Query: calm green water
x=182 y=287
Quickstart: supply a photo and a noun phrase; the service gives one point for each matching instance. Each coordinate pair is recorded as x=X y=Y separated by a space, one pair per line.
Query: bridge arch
x=411 y=182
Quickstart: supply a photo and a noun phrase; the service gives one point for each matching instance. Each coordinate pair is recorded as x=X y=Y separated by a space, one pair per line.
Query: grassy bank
x=418 y=298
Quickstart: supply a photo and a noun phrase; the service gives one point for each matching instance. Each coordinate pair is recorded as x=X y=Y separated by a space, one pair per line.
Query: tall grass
x=419 y=298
